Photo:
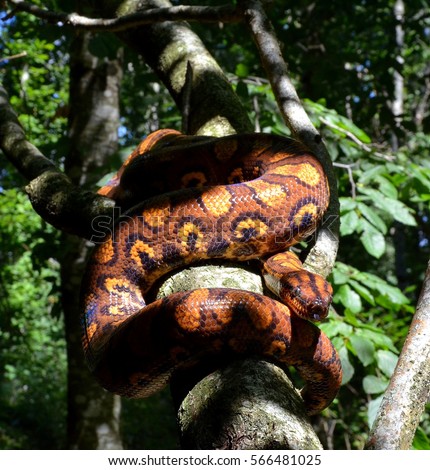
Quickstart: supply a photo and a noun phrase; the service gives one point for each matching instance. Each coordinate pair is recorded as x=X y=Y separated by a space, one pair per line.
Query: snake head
x=307 y=294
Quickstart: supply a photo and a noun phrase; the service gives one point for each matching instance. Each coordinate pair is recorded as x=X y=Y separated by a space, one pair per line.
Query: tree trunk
x=93 y=414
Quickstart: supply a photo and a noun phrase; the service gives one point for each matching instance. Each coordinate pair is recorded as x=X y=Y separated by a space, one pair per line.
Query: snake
x=185 y=200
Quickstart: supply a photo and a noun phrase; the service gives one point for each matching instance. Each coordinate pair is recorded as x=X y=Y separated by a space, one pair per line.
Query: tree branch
x=357 y=141
x=264 y=398
x=409 y=388
x=25 y=156
x=221 y=14
x=171 y=49
x=53 y=196
x=322 y=256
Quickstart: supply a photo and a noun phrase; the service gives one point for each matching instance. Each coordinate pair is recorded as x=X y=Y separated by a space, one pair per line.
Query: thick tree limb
x=28 y=160
x=222 y=14
x=53 y=196
x=269 y=420
x=409 y=388
x=170 y=49
x=247 y=404
x=322 y=256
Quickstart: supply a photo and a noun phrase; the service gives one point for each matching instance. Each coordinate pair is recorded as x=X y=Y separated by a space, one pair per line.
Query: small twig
x=12 y=57
x=330 y=434
x=250 y=79
x=356 y=140
x=348 y=168
x=256 y=106
x=221 y=14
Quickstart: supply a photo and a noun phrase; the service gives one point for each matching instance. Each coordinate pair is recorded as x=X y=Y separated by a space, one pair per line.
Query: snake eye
x=297 y=291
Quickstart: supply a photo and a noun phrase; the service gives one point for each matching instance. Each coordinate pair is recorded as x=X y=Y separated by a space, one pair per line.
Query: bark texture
x=248 y=405
x=169 y=49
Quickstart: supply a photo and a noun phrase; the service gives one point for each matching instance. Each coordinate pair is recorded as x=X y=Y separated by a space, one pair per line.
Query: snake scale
x=192 y=199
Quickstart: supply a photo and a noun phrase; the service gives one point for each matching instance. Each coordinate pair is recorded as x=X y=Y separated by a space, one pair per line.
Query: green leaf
x=362 y=291
x=373 y=408
x=381 y=339
x=364 y=348
x=371 y=215
x=421 y=174
x=387 y=187
x=332 y=149
x=394 y=294
x=368 y=176
x=421 y=441
x=351 y=318
x=336 y=328
x=242 y=70
x=373 y=241
x=347 y=367
x=340 y=275
x=348 y=125
x=347 y=204
x=348 y=298
x=396 y=209
x=373 y=384
x=348 y=223
x=348 y=149
x=386 y=361
x=368 y=279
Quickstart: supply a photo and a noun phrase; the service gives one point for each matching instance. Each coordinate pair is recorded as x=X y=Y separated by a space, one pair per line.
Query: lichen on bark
x=248 y=405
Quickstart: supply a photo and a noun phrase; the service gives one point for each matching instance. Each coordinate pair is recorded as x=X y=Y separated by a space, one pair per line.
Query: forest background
x=362 y=71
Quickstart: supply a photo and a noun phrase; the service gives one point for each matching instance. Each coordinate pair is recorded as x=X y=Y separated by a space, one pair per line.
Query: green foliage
x=32 y=364
x=371 y=313
x=421 y=440
x=37 y=80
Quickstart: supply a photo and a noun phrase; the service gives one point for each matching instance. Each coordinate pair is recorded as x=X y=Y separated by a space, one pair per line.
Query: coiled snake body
x=246 y=197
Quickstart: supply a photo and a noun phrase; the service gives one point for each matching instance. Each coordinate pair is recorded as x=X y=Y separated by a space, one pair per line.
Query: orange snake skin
x=192 y=199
